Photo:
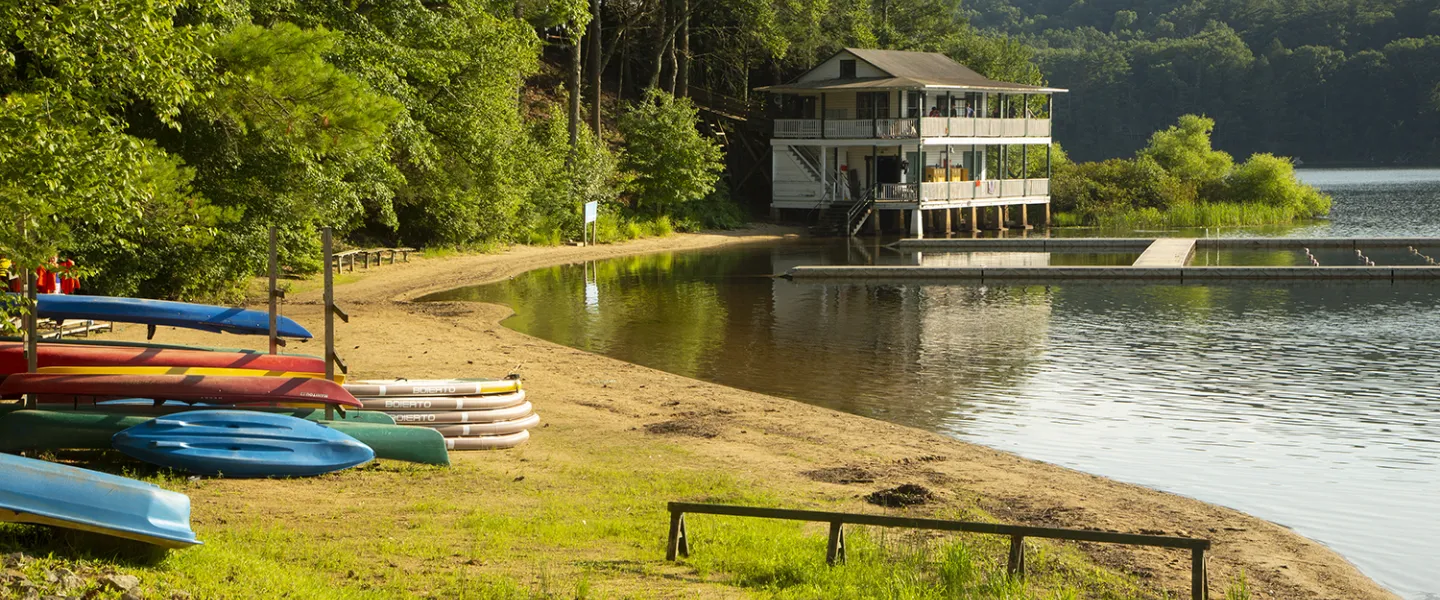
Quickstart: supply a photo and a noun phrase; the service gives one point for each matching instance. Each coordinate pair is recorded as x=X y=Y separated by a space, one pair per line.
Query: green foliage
x=1184 y=152
x=1347 y=80
x=672 y=163
x=1179 y=181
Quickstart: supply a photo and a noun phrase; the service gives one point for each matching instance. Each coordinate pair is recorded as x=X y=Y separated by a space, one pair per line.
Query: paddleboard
x=432 y=387
x=233 y=443
x=182 y=371
x=472 y=416
x=422 y=403
x=496 y=428
x=216 y=389
x=491 y=442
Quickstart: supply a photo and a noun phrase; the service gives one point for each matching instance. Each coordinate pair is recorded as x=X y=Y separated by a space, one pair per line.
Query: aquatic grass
x=1197 y=214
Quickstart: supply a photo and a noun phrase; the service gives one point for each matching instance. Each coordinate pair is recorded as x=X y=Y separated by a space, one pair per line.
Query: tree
x=1184 y=151
x=672 y=163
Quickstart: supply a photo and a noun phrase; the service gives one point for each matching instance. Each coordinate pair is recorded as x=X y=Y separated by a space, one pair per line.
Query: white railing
x=797 y=128
x=850 y=128
x=940 y=191
x=934 y=127
x=910 y=128
x=901 y=192
x=896 y=128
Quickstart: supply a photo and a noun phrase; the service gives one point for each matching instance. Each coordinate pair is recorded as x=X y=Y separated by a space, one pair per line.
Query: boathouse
x=914 y=141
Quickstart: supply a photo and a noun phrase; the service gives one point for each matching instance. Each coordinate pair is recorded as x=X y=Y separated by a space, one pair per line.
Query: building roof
x=910 y=70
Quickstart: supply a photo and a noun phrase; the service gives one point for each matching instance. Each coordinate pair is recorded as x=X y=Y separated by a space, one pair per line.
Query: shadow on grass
x=71 y=544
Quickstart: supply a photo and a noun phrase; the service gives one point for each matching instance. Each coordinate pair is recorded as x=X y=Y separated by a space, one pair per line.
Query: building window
x=872 y=105
x=847 y=69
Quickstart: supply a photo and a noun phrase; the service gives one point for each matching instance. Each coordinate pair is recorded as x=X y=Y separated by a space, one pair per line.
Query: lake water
x=1316 y=406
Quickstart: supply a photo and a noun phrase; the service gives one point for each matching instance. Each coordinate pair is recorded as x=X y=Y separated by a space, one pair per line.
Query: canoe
x=145 y=407
x=490 y=402
x=193 y=388
x=228 y=372
x=237 y=443
x=432 y=387
x=44 y=493
x=51 y=355
x=42 y=430
x=467 y=416
x=204 y=317
x=104 y=343
x=496 y=428
x=396 y=442
x=490 y=442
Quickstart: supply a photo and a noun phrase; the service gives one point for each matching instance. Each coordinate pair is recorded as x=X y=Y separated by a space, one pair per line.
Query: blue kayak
x=233 y=443
x=44 y=493
x=204 y=317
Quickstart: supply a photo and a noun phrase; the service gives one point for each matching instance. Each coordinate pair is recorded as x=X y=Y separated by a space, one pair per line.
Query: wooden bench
x=679 y=542
x=365 y=256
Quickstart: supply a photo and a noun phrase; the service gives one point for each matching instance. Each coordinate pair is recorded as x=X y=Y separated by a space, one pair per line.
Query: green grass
x=568 y=523
x=1212 y=214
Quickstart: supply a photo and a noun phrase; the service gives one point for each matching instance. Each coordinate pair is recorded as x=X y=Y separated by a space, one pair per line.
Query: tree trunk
x=595 y=74
x=682 y=83
x=671 y=67
x=573 y=82
x=664 y=42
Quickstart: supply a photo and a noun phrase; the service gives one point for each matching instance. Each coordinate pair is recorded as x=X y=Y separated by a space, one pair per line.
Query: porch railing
x=939 y=191
x=960 y=127
x=797 y=128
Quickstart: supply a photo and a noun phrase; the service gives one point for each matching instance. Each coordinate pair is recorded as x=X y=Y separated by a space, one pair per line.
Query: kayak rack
x=679 y=542
x=332 y=310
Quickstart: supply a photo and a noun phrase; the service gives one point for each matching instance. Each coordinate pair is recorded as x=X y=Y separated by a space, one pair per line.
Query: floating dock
x=1162 y=259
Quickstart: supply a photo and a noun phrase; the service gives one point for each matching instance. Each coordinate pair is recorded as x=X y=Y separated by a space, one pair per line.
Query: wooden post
x=274 y=293
x=1024 y=216
x=32 y=333
x=1015 y=567
x=329 y=295
x=974 y=219
x=875 y=221
x=1199 y=587
x=835 y=549
x=949 y=228
x=678 y=545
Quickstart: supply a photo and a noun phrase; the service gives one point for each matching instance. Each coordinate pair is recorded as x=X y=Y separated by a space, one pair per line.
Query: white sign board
x=592 y=209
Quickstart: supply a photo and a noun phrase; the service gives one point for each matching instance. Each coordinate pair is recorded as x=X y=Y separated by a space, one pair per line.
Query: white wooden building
x=913 y=138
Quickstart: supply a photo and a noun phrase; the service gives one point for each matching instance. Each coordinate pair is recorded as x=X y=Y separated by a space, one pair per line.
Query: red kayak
x=211 y=389
x=12 y=358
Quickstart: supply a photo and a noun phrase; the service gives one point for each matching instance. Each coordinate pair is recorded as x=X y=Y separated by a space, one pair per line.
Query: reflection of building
x=979 y=259
x=885 y=131
x=912 y=354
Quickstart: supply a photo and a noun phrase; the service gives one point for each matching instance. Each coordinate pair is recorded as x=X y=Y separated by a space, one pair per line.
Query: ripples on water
x=1313 y=405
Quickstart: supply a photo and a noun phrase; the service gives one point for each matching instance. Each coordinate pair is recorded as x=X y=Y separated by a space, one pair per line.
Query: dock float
x=852 y=274
x=1167 y=252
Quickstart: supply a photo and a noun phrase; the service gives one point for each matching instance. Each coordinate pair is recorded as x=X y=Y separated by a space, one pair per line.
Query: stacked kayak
x=216 y=389
x=93 y=429
x=75 y=358
x=472 y=414
x=203 y=317
x=235 y=443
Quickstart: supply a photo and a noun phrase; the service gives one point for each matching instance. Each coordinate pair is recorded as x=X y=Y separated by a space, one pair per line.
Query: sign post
x=592 y=213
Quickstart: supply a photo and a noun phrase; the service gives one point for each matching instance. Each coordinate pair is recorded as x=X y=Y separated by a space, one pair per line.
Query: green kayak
x=85 y=430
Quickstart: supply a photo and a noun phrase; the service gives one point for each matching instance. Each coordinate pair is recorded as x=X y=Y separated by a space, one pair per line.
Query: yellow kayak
x=227 y=371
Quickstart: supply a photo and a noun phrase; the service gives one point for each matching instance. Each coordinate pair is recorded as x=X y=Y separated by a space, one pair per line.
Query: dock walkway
x=1167 y=252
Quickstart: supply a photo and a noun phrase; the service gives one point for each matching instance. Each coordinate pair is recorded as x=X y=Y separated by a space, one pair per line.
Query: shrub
x=671 y=162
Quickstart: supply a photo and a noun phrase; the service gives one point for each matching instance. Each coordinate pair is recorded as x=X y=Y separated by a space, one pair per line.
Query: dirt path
x=591 y=397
